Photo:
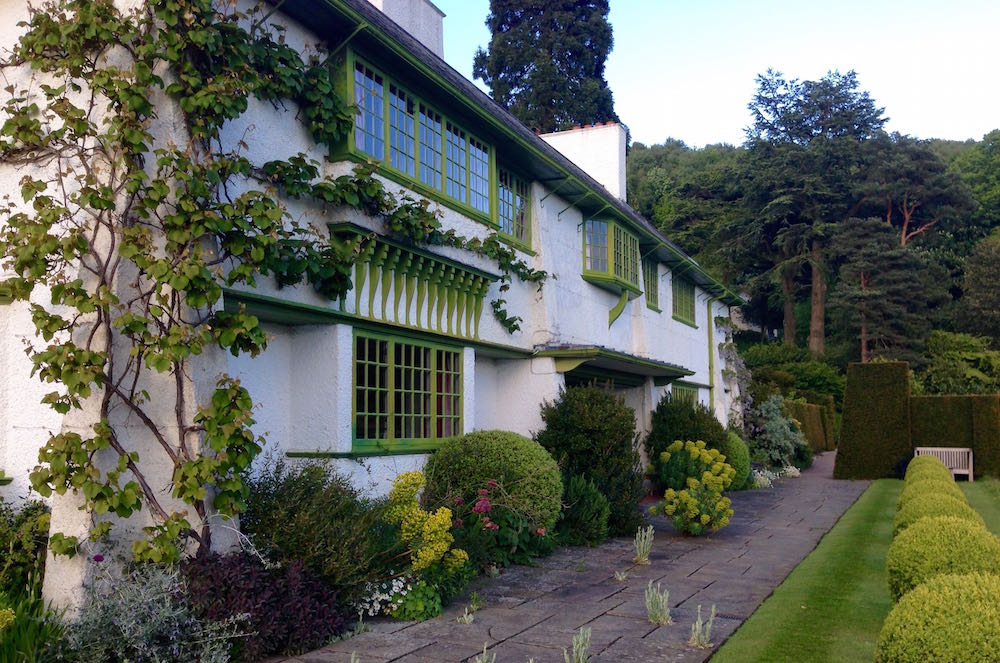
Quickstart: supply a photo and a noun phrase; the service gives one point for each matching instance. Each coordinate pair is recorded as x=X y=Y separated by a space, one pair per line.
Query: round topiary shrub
x=933 y=505
x=949 y=618
x=923 y=467
x=674 y=420
x=929 y=487
x=591 y=432
x=524 y=472
x=585 y=518
x=738 y=456
x=937 y=545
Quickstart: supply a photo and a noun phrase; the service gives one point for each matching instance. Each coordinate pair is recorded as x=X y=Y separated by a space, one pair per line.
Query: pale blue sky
x=685 y=68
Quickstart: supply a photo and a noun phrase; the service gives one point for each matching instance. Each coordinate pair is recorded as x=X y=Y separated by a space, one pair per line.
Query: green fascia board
x=291 y=313
x=537 y=160
x=615 y=360
x=355 y=229
x=360 y=452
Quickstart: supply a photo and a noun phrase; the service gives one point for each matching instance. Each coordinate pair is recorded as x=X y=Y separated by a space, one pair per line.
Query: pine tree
x=545 y=61
x=979 y=308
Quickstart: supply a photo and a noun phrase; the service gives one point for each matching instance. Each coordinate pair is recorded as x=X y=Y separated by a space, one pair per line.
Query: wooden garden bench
x=956 y=459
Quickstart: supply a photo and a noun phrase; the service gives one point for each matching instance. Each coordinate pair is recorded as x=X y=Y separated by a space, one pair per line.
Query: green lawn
x=832 y=605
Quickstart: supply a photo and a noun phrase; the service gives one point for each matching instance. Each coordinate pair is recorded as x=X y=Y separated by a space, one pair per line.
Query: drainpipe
x=711 y=355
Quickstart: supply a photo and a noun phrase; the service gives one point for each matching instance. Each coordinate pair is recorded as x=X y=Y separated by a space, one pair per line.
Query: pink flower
x=482 y=506
x=483 y=492
x=489 y=524
x=458 y=500
x=98 y=558
x=540 y=531
x=492 y=483
x=458 y=522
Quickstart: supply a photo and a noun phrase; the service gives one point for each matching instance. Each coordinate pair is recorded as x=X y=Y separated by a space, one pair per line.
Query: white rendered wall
x=598 y=149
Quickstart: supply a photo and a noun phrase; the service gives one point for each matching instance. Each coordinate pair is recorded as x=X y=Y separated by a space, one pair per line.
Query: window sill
x=689 y=323
x=372 y=450
x=653 y=307
x=612 y=283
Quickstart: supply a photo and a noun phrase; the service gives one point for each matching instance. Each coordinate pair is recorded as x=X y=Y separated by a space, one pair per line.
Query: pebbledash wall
x=415 y=348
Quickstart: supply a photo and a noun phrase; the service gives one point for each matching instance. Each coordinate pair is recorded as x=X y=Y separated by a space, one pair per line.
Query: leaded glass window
x=369 y=123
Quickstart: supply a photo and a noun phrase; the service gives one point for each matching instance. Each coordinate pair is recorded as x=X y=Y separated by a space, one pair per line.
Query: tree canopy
x=545 y=61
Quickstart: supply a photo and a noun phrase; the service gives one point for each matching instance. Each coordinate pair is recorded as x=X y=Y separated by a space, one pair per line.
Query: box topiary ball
x=939 y=545
x=525 y=473
x=927 y=466
x=948 y=618
x=932 y=504
x=932 y=486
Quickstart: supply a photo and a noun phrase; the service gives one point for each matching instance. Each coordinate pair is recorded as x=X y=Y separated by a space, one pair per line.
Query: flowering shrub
x=495 y=533
x=762 y=478
x=698 y=506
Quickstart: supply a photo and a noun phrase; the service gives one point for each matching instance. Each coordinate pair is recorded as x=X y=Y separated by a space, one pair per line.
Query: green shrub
x=875 y=433
x=809 y=418
x=24 y=534
x=312 y=514
x=697 y=505
x=591 y=432
x=143 y=615
x=937 y=545
x=773 y=354
x=971 y=421
x=929 y=486
x=585 y=516
x=777 y=442
x=926 y=467
x=33 y=632
x=738 y=456
x=949 y=618
x=680 y=420
x=525 y=474
x=933 y=505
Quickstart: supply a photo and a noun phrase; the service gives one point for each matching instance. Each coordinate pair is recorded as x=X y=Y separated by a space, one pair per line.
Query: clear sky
x=686 y=68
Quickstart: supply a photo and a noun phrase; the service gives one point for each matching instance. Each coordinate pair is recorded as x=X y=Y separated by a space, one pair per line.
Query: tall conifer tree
x=545 y=61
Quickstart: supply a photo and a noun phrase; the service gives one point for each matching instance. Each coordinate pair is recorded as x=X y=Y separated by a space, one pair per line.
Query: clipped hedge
x=934 y=546
x=524 y=471
x=875 y=433
x=926 y=467
x=971 y=421
x=933 y=486
x=810 y=419
x=933 y=505
x=950 y=618
x=738 y=456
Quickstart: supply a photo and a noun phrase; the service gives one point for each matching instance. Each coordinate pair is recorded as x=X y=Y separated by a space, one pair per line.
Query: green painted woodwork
x=449 y=295
x=618 y=308
x=611 y=258
x=651 y=283
x=684 y=392
x=600 y=358
x=407 y=394
x=4 y=479
x=683 y=300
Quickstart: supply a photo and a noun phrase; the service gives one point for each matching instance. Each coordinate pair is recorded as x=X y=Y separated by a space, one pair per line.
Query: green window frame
x=513 y=201
x=684 y=393
x=369 y=121
x=684 y=300
x=443 y=160
x=407 y=393
x=610 y=256
x=651 y=283
x=402 y=135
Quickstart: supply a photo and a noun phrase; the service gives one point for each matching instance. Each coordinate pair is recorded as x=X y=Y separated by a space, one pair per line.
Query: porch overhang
x=594 y=362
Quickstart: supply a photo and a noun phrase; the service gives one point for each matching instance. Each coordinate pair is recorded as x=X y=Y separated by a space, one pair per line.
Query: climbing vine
x=130 y=223
x=736 y=377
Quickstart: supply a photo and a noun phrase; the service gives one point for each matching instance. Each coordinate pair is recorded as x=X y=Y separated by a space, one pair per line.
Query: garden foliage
x=591 y=432
x=585 y=514
x=933 y=504
x=921 y=486
x=288 y=609
x=24 y=533
x=812 y=422
x=674 y=420
x=875 y=434
x=948 y=618
x=971 y=421
x=926 y=467
x=777 y=442
x=30 y=630
x=937 y=545
x=312 y=514
x=738 y=456
x=696 y=505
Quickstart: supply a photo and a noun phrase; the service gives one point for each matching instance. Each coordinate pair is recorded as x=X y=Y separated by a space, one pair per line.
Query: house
x=424 y=346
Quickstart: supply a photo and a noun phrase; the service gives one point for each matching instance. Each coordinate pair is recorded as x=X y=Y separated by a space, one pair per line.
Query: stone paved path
x=533 y=612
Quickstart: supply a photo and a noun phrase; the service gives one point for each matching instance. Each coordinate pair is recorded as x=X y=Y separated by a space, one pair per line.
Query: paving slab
x=532 y=612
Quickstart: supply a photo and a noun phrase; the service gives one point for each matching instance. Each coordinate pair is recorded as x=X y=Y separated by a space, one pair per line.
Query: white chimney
x=421 y=18
x=598 y=149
